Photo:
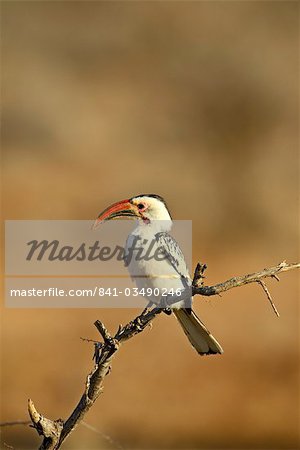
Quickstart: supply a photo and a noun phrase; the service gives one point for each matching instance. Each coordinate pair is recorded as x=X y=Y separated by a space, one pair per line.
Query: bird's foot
x=164 y=305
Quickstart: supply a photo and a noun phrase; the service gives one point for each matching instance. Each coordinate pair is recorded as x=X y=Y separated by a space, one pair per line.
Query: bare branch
x=246 y=279
x=257 y=277
x=54 y=432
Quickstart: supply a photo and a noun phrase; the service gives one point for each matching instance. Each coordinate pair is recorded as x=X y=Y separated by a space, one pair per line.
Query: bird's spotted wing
x=170 y=248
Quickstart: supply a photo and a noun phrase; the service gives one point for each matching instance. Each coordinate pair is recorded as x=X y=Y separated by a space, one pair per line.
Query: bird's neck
x=154 y=226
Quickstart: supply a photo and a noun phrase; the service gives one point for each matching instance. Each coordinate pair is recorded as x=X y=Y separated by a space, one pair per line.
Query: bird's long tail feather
x=197 y=333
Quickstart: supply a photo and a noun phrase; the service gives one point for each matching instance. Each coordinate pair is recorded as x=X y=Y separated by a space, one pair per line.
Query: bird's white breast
x=147 y=269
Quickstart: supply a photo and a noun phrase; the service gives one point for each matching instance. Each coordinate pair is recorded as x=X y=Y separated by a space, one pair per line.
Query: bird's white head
x=150 y=209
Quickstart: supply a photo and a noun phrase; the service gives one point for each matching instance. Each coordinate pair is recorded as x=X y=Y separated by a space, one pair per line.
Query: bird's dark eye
x=141 y=206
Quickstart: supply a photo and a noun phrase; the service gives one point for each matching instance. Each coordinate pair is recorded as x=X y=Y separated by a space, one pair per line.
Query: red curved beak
x=120 y=209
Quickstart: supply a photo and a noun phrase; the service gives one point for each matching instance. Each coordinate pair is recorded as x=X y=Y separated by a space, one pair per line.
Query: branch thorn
x=264 y=286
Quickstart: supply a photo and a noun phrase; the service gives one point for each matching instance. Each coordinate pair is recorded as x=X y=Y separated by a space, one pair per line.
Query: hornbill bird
x=153 y=224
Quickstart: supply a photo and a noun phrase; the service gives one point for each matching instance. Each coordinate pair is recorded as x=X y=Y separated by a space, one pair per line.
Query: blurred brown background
x=197 y=102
